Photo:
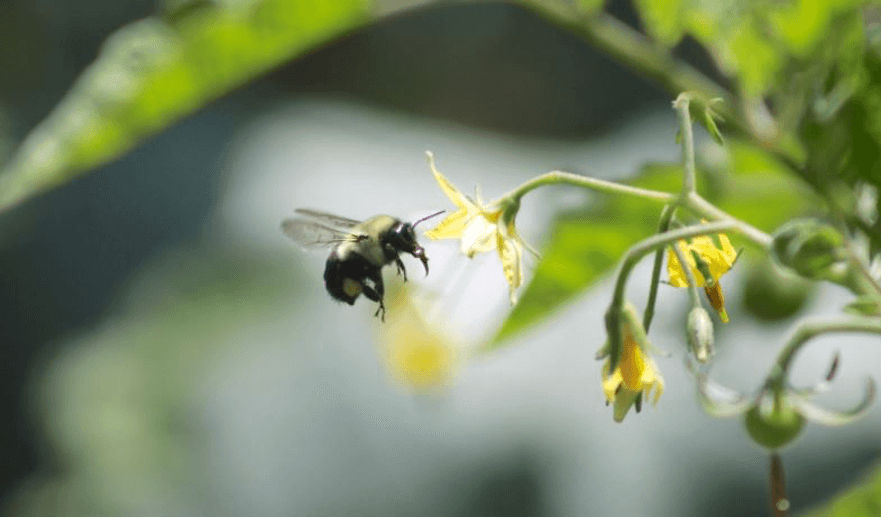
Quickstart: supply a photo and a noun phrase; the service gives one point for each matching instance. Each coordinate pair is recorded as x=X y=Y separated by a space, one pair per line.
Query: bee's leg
x=401 y=269
x=376 y=293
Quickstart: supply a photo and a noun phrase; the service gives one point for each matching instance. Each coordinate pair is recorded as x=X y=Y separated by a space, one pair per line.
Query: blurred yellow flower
x=482 y=227
x=635 y=376
x=716 y=260
x=418 y=355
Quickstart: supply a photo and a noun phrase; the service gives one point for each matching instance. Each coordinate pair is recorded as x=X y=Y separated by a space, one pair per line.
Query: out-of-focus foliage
x=154 y=71
x=586 y=245
x=816 y=62
x=117 y=403
x=750 y=41
x=862 y=500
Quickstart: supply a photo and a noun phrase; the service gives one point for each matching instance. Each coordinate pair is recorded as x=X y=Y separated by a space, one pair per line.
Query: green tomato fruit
x=772 y=293
x=776 y=429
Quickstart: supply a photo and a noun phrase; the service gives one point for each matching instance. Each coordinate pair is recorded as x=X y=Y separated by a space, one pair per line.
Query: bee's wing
x=329 y=219
x=310 y=234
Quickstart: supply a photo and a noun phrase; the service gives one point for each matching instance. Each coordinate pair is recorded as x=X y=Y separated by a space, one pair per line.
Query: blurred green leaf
x=759 y=189
x=752 y=42
x=590 y=6
x=862 y=500
x=586 y=245
x=663 y=19
x=864 y=305
x=155 y=71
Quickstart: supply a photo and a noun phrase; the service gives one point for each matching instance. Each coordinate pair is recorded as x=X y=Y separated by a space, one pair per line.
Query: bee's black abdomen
x=344 y=278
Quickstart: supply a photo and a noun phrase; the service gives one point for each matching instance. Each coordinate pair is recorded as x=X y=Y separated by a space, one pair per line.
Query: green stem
x=632 y=257
x=697 y=204
x=595 y=184
x=873 y=289
x=663 y=225
x=779 y=501
x=809 y=330
x=687 y=136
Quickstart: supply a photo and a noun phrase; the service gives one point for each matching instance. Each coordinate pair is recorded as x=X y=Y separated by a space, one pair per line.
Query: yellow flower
x=481 y=228
x=418 y=355
x=635 y=376
x=717 y=261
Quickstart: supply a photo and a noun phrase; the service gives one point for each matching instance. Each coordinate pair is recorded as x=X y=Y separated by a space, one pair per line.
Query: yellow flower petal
x=632 y=363
x=511 y=253
x=449 y=189
x=636 y=374
x=718 y=260
x=478 y=236
x=611 y=382
x=451 y=227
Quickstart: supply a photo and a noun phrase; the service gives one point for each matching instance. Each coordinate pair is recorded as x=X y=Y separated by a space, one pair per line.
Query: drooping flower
x=636 y=375
x=482 y=227
x=418 y=355
x=715 y=261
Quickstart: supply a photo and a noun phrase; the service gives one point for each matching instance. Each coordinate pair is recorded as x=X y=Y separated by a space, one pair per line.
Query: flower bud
x=808 y=246
x=774 y=426
x=699 y=329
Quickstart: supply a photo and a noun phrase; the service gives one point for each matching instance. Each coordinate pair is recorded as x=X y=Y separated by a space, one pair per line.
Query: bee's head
x=403 y=238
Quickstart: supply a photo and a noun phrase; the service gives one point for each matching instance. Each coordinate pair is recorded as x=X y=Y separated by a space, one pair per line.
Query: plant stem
x=687 y=136
x=857 y=265
x=779 y=500
x=697 y=204
x=595 y=184
x=808 y=330
x=663 y=225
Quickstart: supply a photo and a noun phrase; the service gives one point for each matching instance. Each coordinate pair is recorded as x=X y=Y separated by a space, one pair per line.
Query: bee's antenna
x=428 y=217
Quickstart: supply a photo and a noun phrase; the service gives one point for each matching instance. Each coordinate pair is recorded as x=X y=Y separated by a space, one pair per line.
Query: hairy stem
x=697 y=204
x=594 y=184
x=687 y=136
x=808 y=330
x=663 y=225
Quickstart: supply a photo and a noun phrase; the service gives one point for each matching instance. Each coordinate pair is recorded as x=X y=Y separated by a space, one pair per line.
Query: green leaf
x=761 y=190
x=663 y=20
x=590 y=6
x=862 y=500
x=864 y=305
x=155 y=71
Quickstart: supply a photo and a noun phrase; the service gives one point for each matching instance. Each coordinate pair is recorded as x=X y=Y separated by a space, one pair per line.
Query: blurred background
x=169 y=351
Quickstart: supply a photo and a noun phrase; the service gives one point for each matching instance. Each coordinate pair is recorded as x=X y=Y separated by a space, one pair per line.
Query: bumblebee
x=360 y=250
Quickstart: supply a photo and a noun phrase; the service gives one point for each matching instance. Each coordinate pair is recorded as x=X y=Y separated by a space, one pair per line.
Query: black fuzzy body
x=378 y=243
x=355 y=268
